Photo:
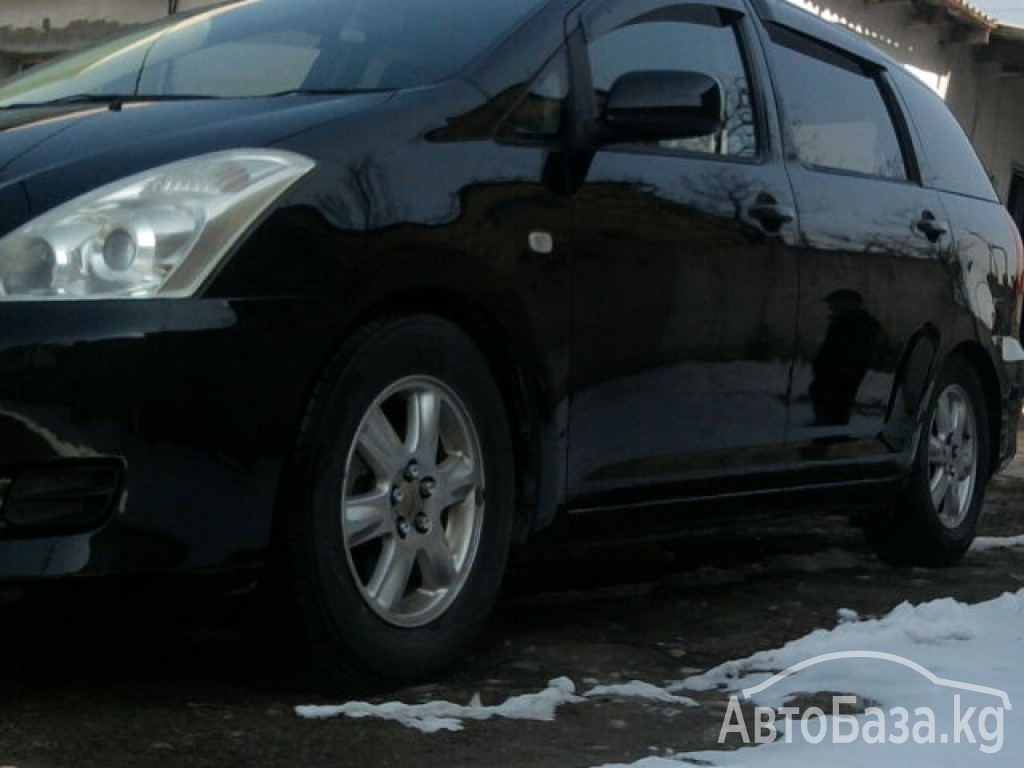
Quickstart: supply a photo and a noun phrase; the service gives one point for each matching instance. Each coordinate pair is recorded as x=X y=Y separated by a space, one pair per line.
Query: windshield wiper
x=114 y=100
x=327 y=91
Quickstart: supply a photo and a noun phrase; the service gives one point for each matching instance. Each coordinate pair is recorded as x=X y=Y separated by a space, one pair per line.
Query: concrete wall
x=954 y=59
x=35 y=30
x=989 y=102
x=896 y=28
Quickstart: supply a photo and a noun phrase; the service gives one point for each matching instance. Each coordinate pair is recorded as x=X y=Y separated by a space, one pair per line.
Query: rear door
x=684 y=278
x=875 y=260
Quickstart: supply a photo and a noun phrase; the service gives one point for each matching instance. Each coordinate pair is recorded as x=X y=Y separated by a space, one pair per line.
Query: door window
x=837 y=115
x=688 y=39
x=539 y=115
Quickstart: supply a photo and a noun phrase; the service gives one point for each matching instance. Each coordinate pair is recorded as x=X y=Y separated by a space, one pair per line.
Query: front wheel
x=397 y=553
x=937 y=520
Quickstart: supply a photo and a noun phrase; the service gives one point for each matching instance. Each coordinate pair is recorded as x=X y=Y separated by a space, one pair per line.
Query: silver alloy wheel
x=952 y=456
x=413 y=501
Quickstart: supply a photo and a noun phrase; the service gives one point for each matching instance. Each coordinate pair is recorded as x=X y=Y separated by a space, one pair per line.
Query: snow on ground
x=635 y=689
x=986 y=543
x=945 y=680
x=436 y=716
x=938 y=684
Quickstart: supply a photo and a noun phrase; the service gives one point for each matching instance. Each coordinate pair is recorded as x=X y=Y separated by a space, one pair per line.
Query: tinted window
x=836 y=113
x=253 y=47
x=539 y=115
x=688 y=39
x=949 y=162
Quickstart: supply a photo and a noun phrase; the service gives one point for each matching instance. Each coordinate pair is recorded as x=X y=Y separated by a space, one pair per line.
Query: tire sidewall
x=952 y=541
x=337 y=610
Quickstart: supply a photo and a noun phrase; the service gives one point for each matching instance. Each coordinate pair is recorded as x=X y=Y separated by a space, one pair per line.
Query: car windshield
x=264 y=47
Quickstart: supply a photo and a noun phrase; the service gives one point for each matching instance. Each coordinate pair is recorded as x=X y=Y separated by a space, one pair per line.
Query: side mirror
x=653 y=105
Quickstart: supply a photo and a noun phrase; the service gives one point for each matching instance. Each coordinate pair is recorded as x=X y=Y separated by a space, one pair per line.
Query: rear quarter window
x=947 y=159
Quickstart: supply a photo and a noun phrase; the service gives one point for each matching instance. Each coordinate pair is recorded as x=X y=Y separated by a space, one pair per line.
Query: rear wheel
x=938 y=518
x=396 y=553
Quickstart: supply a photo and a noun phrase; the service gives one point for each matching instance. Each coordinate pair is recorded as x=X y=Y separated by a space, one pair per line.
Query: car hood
x=51 y=154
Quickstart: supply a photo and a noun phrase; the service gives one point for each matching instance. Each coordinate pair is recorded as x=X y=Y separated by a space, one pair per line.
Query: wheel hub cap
x=412 y=501
x=952 y=456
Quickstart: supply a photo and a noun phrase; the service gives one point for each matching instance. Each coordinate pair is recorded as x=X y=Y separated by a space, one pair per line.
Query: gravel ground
x=81 y=688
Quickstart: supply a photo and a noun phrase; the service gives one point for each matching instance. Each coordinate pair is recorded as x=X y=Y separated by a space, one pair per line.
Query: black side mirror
x=653 y=105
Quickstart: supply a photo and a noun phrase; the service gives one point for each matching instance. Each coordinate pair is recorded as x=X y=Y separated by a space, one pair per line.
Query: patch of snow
x=846 y=615
x=635 y=689
x=986 y=543
x=927 y=633
x=435 y=716
x=967 y=650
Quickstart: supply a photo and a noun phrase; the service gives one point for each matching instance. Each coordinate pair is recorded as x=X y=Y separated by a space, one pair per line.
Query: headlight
x=159 y=233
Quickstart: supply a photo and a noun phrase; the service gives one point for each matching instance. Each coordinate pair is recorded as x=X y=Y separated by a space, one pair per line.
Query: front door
x=683 y=277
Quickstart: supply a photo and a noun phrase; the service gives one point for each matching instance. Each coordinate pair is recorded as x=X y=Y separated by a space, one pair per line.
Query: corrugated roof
x=964 y=11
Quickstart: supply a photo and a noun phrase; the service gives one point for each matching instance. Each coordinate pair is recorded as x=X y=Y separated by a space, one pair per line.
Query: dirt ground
x=83 y=689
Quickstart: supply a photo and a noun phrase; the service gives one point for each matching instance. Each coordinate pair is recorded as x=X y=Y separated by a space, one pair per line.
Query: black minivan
x=349 y=296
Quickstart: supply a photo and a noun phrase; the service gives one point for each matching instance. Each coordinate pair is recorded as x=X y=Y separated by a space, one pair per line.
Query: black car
x=350 y=296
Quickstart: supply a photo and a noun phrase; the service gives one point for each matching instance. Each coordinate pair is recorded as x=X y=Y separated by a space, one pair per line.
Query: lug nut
x=404 y=529
x=427 y=487
x=422 y=524
x=397 y=496
x=412 y=471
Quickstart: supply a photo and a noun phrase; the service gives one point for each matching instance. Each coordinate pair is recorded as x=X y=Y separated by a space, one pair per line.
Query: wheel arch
x=515 y=371
x=985 y=368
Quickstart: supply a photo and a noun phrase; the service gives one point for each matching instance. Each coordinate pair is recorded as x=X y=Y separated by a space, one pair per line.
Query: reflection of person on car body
x=844 y=357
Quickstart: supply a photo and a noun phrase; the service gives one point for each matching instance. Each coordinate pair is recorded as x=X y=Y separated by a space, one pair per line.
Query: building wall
x=62 y=13
x=897 y=29
x=988 y=103
x=35 y=31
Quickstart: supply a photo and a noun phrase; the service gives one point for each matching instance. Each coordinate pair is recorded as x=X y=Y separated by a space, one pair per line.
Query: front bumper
x=148 y=435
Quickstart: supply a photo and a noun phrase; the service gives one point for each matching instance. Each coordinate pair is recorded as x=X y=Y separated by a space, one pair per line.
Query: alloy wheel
x=952 y=456
x=413 y=501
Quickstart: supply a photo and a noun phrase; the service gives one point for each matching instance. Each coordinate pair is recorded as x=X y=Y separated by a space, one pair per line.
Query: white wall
x=29 y=14
x=893 y=27
x=989 y=105
x=31 y=32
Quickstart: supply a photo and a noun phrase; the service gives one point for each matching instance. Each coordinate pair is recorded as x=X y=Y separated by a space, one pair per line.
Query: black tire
x=389 y=608
x=937 y=519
